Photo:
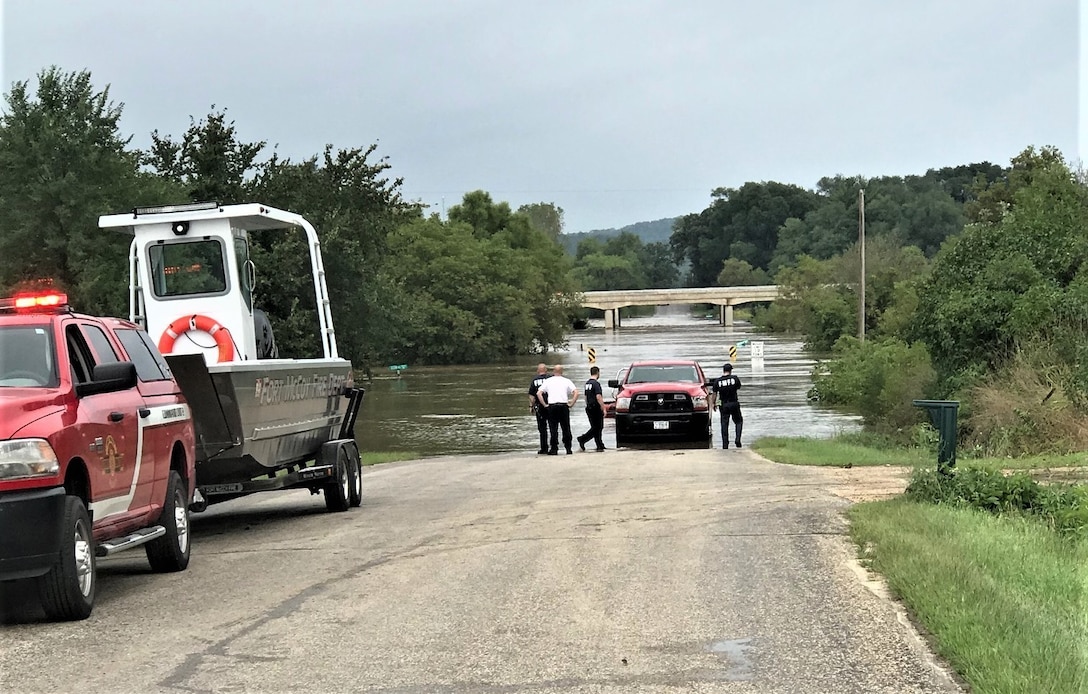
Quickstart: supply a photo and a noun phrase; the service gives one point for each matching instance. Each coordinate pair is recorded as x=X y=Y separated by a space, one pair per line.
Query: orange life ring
x=195 y=322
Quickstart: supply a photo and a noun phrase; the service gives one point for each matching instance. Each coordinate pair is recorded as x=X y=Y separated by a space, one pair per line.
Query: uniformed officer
x=594 y=410
x=560 y=393
x=540 y=411
x=725 y=391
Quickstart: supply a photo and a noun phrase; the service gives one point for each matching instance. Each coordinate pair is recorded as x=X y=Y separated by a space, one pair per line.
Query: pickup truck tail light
x=27 y=459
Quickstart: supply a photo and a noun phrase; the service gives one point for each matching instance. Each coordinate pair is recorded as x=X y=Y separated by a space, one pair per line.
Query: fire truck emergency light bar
x=29 y=302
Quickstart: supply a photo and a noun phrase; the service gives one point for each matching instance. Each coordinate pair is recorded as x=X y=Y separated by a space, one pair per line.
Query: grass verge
x=837 y=452
x=1004 y=598
x=378 y=457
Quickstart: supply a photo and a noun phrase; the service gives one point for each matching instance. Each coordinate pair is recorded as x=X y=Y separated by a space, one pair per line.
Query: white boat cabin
x=191 y=278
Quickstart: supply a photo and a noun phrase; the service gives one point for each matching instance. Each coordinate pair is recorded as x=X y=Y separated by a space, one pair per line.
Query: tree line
x=976 y=286
x=485 y=283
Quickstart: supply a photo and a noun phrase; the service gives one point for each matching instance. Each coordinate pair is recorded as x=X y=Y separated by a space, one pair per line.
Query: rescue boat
x=192 y=289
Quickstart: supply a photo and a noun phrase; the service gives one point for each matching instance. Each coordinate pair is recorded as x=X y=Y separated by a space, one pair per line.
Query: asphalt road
x=625 y=571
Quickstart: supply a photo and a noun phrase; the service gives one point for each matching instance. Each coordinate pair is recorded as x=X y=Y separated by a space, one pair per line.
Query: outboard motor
x=262 y=329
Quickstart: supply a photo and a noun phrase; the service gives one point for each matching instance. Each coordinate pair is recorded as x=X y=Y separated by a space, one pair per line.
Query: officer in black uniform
x=594 y=410
x=725 y=390
x=539 y=411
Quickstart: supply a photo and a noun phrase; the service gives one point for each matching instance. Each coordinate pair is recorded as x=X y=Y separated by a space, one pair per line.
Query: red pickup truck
x=664 y=399
x=96 y=450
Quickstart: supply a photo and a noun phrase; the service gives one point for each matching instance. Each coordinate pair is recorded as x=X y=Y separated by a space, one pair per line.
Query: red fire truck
x=97 y=450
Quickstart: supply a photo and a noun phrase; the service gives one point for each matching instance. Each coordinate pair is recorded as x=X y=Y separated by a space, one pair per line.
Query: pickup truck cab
x=96 y=450
x=663 y=399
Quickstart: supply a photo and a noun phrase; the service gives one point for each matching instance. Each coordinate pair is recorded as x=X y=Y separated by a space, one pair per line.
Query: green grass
x=864 y=450
x=838 y=452
x=378 y=457
x=1004 y=598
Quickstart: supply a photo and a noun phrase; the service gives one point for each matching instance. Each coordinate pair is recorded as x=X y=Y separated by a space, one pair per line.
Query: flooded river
x=484 y=409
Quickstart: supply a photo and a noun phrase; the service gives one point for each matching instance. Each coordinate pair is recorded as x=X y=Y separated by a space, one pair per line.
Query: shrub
x=879 y=380
x=1064 y=507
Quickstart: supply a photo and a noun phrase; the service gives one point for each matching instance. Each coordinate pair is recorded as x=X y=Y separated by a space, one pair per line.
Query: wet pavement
x=624 y=571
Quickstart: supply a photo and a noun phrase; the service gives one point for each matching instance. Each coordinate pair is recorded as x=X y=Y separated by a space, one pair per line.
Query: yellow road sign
x=732 y=352
x=592 y=355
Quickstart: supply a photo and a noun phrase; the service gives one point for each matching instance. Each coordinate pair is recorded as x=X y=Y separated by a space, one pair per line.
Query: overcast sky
x=618 y=111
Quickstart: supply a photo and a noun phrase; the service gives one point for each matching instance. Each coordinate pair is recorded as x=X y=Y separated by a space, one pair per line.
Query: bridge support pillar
x=610 y=318
x=726 y=315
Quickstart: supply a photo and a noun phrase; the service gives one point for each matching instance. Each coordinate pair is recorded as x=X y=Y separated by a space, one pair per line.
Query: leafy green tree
x=612 y=272
x=658 y=266
x=210 y=160
x=741 y=223
x=473 y=298
x=1016 y=280
x=64 y=162
x=545 y=217
x=355 y=206
x=738 y=273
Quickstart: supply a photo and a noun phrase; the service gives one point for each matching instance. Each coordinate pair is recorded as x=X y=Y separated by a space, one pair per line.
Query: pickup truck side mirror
x=613 y=383
x=109 y=378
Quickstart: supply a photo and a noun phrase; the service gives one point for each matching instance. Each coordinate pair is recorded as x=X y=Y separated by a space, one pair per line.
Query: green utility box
x=943 y=415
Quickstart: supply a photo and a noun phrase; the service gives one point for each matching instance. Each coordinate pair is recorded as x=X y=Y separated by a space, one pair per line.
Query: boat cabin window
x=185 y=268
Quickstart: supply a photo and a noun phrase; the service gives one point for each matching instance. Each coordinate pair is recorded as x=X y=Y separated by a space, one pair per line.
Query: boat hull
x=258 y=417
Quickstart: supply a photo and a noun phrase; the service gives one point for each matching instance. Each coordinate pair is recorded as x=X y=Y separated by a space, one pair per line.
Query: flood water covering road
x=444 y=410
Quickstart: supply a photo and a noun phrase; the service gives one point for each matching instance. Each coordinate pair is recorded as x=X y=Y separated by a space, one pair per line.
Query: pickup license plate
x=661 y=425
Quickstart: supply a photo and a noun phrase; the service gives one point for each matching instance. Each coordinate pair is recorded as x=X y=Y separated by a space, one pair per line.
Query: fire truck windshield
x=27 y=357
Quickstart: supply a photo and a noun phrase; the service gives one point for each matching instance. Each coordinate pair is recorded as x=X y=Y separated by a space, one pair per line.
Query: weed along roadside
x=992 y=563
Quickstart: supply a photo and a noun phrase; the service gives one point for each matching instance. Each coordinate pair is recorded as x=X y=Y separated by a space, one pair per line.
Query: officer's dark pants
x=731 y=410
x=596 y=427
x=542 y=426
x=559 y=416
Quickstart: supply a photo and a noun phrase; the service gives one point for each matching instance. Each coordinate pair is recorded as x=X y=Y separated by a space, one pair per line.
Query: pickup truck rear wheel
x=67 y=591
x=355 y=493
x=171 y=551
x=338 y=491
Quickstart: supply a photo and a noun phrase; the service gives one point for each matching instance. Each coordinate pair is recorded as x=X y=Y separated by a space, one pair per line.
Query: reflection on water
x=484 y=409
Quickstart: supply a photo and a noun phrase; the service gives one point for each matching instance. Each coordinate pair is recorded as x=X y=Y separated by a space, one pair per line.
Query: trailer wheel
x=355 y=495
x=67 y=591
x=171 y=551
x=338 y=492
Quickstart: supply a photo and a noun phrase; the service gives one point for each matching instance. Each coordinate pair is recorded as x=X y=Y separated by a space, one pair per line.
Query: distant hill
x=657 y=231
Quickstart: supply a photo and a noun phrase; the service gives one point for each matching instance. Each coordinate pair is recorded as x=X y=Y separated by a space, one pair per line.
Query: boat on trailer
x=262 y=422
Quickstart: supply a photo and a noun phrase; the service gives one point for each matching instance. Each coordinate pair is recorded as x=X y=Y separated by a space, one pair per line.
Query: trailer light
x=27 y=458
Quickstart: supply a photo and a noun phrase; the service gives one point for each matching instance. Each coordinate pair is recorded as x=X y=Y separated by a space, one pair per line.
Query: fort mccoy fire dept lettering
x=271 y=391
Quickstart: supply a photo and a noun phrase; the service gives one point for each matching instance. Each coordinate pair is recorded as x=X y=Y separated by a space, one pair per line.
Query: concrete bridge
x=724 y=297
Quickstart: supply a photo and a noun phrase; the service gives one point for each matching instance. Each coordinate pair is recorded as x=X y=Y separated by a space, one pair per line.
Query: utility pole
x=861 y=247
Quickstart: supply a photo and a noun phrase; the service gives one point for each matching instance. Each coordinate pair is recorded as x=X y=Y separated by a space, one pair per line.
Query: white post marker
x=757 y=357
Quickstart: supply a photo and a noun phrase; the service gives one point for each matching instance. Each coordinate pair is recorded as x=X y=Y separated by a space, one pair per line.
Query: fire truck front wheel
x=171 y=551
x=67 y=591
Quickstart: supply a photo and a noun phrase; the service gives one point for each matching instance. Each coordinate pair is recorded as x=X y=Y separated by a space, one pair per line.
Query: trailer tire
x=355 y=493
x=67 y=591
x=171 y=551
x=337 y=492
